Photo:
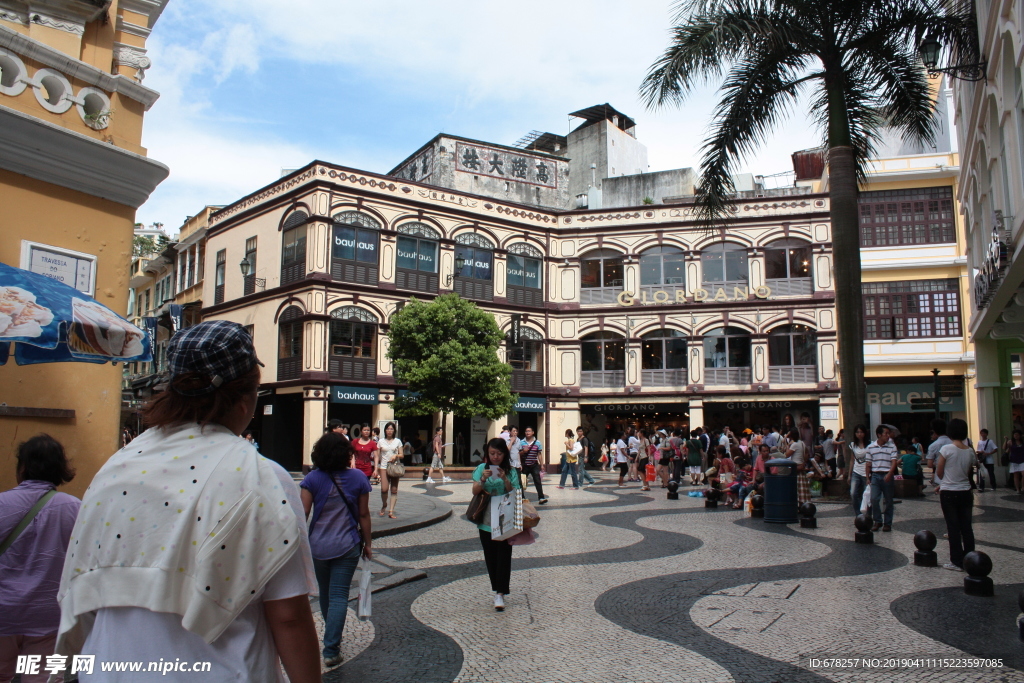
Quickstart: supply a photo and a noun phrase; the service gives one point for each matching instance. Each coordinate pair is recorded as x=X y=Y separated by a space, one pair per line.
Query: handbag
x=479 y=507
x=571 y=458
x=530 y=516
x=395 y=469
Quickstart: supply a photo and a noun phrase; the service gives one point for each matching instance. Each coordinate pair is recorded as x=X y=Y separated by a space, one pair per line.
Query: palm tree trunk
x=849 y=297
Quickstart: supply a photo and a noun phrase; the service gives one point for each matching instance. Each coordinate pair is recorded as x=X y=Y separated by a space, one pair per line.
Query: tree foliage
x=446 y=352
x=148 y=245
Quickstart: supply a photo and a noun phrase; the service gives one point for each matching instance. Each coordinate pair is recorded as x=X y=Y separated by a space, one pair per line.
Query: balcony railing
x=591 y=379
x=792 y=374
x=669 y=289
x=675 y=377
x=728 y=286
x=726 y=375
x=791 y=286
x=599 y=295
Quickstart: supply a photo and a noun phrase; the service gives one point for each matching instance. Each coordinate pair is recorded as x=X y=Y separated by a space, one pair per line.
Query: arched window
x=416 y=263
x=289 y=347
x=662 y=266
x=353 y=344
x=354 y=247
x=523 y=266
x=727 y=356
x=293 y=247
x=603 y=360
x=601 y=278
x=787 y=267
x=474 y=280
x=792 y=354
x=663 y=359
x=724 y=263
x=527 y=361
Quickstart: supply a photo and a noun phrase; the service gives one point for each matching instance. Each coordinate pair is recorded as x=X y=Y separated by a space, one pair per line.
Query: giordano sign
x=660 y=296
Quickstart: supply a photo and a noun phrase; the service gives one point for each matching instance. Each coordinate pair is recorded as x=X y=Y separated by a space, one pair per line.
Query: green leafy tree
x=856 y=60
x=446 y=351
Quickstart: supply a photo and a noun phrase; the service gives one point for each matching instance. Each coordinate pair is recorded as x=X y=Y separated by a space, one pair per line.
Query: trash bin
x=780 y=501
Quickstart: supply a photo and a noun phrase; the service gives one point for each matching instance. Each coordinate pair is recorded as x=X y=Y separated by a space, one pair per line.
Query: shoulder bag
x=26 y=520
x=478 y=507
x=395 y=469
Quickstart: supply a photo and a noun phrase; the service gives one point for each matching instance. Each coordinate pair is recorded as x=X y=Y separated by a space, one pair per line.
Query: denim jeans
x=569 y=468
x=858 y=482
x=581 y=472
x=334 y=578
x=880 y=487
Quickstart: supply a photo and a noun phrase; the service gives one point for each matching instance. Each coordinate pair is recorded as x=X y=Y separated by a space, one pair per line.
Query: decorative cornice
x=55 y=59
x=56 y=155
x=66 y=25
x=64 y=15
x=133 y=57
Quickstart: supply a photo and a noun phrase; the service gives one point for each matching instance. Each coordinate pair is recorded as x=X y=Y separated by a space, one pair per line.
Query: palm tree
x=856 y=60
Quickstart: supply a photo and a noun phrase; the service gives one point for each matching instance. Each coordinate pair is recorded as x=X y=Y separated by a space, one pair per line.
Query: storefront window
x=727 y=347
x=911 y=308
x=603 y=351
x=787 y=258
x=353 y=332
x=664 y=350
x=724 y=262
x=792 y=345
x=355 y=237
x=602 y=268
x=528 y=356
x=417 y=247
x=662 y=266
x=523 y=271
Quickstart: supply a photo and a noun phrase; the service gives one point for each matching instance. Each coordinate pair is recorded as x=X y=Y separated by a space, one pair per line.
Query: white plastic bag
x=865 y=501
x=365 y=578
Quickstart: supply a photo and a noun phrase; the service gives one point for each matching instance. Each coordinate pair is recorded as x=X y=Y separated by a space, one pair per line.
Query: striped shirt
x=881 y=457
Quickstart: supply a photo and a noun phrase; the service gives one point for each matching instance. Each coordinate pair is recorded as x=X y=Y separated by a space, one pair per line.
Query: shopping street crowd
x=203 y=550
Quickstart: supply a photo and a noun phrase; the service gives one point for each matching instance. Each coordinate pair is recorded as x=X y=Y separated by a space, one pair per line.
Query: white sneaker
x=445 y=479
x=499 y=602
x=952 y=567
x=430 y=481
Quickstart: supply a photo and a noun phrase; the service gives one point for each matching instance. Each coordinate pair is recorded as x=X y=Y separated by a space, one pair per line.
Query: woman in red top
x=366 y=452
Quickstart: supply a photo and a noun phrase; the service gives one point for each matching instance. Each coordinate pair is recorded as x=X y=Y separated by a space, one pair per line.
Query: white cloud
x=481 y=69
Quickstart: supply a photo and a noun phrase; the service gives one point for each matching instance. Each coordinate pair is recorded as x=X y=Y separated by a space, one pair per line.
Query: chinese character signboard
x=504 y=164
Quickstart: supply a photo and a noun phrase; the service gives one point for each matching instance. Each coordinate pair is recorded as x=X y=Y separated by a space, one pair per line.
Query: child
x=739 y=488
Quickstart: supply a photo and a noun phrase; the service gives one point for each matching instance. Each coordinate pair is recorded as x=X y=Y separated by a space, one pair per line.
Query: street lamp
x=246 y=267
x=930 y=49
x=459 y=263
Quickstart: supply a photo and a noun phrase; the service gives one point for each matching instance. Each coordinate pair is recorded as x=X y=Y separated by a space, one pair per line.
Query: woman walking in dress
x=365 y=449
x=390 y=450
x=492 y=477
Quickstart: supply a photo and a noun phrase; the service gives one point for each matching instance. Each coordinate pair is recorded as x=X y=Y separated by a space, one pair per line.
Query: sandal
x=392 y=515
x=382 y=511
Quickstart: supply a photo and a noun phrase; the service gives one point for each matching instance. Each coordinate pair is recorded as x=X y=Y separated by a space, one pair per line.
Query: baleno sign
x=660 y=296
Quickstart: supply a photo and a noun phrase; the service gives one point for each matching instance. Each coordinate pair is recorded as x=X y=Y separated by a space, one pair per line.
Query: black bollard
x=864 y=534
x=807 y=519
x=757 y=506
x=978 y=566
x=711 y=498
x=1020 y=617
x=925 y=555
x=673 y=489
x=426 y=472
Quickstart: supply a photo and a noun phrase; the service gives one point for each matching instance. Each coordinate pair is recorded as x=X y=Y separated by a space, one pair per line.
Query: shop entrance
x=351 y=414
x=602 y=422
x=743 y=414
x=277 y=428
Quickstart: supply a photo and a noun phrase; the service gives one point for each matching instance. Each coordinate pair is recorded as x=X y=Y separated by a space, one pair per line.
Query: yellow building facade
x=72 y=173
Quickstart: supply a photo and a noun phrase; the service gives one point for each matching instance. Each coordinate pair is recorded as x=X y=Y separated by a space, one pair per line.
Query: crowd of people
x=201 y=549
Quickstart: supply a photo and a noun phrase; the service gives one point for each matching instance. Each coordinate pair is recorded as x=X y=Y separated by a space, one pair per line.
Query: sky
x=251 y=87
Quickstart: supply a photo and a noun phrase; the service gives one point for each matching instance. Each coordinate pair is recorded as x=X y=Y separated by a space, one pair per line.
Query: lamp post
x=246 y=268
x=930 y=49
x=459 y=263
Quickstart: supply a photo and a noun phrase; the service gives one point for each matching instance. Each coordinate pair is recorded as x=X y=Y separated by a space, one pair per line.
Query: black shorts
x=623 y=468
x=665 y=462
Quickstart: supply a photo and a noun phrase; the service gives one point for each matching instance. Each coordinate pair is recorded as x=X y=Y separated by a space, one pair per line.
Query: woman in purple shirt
x=31 y=566
x=339 y=531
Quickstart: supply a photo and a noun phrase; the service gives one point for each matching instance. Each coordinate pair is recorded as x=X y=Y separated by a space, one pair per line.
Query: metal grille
x=524 y=380
x=726 y=375
x=663 y=378
x=525 y=296
x=416 y=280
x=792 y=286
x=469 y=288
x=792 y=374
x=591 y=379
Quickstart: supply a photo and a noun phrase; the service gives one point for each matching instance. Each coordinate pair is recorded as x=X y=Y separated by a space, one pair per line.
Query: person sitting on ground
x=737 y=489
x=819 y=473
x=726 y=466
x=36 y=523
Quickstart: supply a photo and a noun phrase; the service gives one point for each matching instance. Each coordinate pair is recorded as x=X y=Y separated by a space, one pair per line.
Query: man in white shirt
x=986 y=450
x=881 y=469
x=723 y=440
x=514 y=445
x=940 y=440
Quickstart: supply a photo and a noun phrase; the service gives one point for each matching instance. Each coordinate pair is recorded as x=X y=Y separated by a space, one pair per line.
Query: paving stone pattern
x=627 y=586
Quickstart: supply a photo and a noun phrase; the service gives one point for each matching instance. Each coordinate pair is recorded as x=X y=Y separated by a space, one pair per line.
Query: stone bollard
x=711 y=498
x=757 y=506
x=807 y=519
x=978 y=566
x=1020 y=617
x=925 y=555
x=673 y=489
x=864 y=533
